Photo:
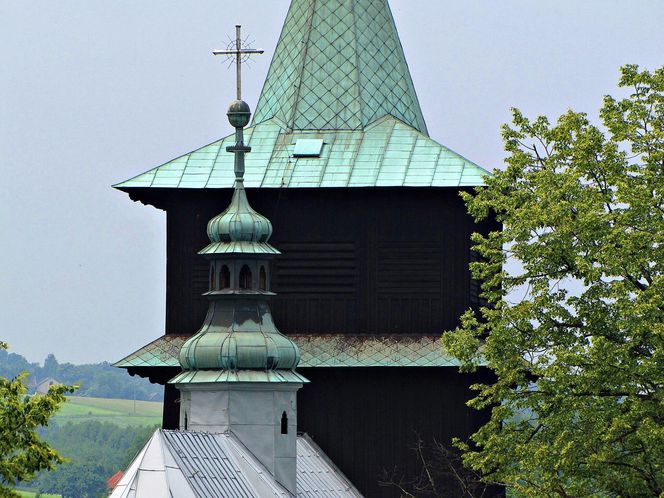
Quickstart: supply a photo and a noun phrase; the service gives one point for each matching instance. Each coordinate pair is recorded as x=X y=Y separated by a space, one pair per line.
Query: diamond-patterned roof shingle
x=327 y=350
x=339 y=65
x=338 y=74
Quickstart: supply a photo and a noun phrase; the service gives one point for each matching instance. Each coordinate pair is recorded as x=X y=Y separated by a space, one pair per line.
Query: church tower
x=238 y=371
x=376 y=246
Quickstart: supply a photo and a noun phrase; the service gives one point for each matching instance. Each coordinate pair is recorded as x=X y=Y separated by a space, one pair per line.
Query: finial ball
x=239 y=114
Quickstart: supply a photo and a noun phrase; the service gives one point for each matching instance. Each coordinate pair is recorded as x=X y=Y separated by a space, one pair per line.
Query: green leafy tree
x=22 y=451
x=94 y=449
x=574 y=330
x=80 y=480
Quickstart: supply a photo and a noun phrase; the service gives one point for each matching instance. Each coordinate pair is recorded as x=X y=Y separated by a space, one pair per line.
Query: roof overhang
x=321 y=351
x=387 y=153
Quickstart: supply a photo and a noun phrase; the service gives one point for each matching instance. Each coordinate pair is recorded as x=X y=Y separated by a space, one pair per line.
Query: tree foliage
x=95 y=450
x=574 y=329
x=78 y=480
x=22 y=451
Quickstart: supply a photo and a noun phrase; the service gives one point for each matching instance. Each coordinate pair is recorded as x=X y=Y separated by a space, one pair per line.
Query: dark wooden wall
x=367 y=420
x=362 y=261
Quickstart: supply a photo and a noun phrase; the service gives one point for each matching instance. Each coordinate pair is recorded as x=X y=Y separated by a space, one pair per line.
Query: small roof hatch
x=308 y=147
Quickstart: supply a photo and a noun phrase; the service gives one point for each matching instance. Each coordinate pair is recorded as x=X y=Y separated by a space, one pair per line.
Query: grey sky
x=93 y=92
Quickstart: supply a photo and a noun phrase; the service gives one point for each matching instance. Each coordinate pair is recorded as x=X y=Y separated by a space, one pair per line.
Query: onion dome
x=239 y=334
x=239 y=229
x=239 y=222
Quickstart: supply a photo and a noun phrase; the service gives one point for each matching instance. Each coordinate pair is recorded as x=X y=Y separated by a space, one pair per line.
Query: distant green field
x=119 y=411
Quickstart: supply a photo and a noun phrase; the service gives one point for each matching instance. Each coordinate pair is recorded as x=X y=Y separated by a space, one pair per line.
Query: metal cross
x=240 y=54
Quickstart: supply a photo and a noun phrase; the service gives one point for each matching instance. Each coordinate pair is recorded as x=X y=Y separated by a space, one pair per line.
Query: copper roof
x=339 y=77
x=328 y=350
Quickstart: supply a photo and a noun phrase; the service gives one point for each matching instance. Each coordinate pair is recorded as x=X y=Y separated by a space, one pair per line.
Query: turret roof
x=239 y=229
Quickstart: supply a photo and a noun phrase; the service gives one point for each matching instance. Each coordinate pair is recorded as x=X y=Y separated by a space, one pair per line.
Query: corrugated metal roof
x=329 y=350
x=216 y=465
x=316 y=473
x=339 y=65
x=389 y=153
x=198 y=464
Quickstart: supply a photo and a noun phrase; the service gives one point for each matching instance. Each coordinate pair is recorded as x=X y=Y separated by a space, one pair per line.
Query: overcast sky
x=94 y=92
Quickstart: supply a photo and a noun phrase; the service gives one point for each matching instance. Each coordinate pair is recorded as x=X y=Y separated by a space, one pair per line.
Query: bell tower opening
x=245 y=278
x=262 y=279
x=212 y=279
x=224 y=278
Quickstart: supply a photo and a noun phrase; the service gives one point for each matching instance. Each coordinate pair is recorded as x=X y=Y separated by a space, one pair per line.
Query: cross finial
x=236 y=51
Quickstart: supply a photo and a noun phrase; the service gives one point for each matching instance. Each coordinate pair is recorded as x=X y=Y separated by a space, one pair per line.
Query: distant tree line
x=96 y=380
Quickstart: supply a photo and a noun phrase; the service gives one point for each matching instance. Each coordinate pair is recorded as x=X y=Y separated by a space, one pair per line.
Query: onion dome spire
x=239 y=333
x=239 y=228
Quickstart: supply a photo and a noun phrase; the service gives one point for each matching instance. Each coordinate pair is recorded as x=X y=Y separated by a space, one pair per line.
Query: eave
x=320 y=351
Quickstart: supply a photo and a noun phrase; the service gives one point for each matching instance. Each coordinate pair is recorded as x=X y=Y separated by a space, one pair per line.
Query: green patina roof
x=238 y=334
x=386 y=154
x=239 y=229
x=338 y=350
x=339 y=65
x=210 y=376
x=241 y=247
x=338 y=74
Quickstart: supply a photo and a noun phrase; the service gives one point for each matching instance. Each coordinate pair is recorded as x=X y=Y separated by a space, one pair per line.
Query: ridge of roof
x=339 y=64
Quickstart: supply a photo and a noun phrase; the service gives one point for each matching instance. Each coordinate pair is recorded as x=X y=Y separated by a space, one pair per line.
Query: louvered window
x=408 y=267
x=316 y=268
